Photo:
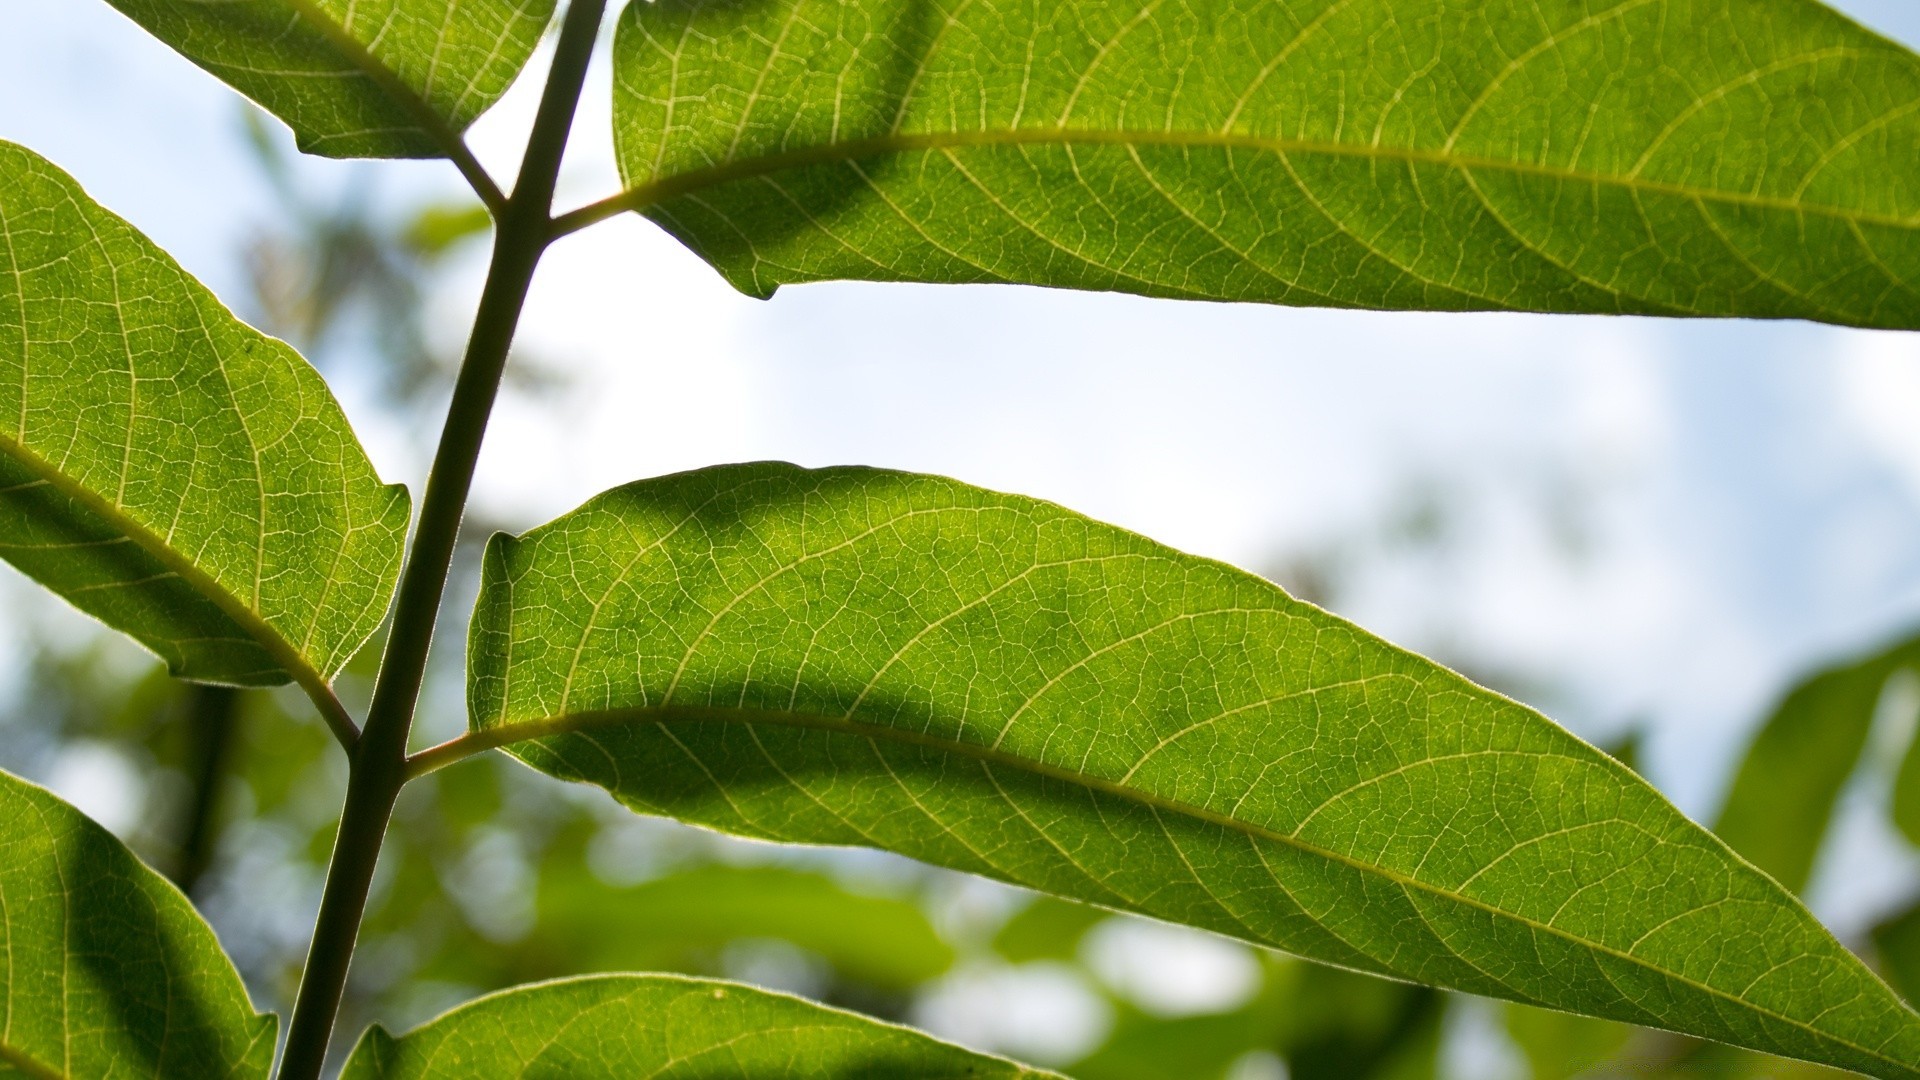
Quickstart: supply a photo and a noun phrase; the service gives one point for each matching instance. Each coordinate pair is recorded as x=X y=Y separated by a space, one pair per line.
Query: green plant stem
x=378 y=760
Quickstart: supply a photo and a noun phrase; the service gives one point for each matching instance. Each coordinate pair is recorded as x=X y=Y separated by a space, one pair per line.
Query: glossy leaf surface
x=357 y=78
x=664 y=1027
x=105 y=969
x=998 y=685
x=169 y=470
x=1675 y=157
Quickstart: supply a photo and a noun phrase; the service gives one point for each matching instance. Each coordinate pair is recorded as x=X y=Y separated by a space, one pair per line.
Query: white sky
x=1751 y=492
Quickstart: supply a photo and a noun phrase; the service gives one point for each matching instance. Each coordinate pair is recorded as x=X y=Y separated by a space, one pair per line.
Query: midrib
x=664 y=188
x=587 y=721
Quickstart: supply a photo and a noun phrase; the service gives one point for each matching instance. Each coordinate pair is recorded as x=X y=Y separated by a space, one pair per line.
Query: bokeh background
x=1652 y=530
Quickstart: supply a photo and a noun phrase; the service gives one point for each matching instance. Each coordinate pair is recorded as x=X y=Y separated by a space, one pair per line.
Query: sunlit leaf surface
x=998 y=685
x=166 y=468
x=105 y=969
x=357 y=78
x=663 y=1027
x=1678 y=157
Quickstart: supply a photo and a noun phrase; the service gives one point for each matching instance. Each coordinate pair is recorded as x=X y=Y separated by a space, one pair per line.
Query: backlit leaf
x=357 y=78
x=1676 y=157
x=662 y=1027
x=105 y=969
x=998 y=685
x=166 y=468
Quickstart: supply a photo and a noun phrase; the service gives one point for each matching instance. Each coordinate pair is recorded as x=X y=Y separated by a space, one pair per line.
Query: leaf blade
x=394 y=78
x=997 y=685
x=166 y=468
x=660 y=1026
x=108 y=970
x=1352 y=153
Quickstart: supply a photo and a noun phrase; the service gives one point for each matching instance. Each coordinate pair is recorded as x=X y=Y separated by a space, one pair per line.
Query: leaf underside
x=667 y=1028
x=105 y=969
x=1668 y=157
x=997 y=685
x=166 y=468
x=357 y=78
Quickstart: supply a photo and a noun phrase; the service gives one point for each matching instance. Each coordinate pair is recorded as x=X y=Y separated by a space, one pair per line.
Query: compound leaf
x=1673 y=157
x=665 y=1027
x=997 y=685
x=166 y=468
x=358 y=78
x=105 y=969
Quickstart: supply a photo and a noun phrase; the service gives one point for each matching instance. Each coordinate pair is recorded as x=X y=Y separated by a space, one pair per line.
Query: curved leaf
x=998 y=685
x=169 y=470
x=105 y=969
x=664 y=1027
x=358 y=78
x=1673 y=157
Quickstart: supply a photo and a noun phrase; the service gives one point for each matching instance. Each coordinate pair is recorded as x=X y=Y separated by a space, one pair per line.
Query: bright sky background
x=1743 y=498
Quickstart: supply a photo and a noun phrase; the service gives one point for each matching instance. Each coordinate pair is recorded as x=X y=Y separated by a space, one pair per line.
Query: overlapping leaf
x=358 y=78
x=666 y=1028
x=1678 y=157
x=105 y=969
x=995 y=684
x=168 y=469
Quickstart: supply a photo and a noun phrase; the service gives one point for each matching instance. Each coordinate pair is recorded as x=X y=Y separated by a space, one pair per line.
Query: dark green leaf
x=105 y=969
x=1782 y=799
x=1676 y=157
x=167 y=469
x=995 y=684
x=662 y=1027
x=1898 y=942
x=357 y=78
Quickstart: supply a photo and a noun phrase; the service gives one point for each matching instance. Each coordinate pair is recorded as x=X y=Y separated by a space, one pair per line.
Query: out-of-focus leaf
x=998 y=685
x=438 y=228
x=1049 y=928
x=1674 y=157
x=658 y=924
x=167 y=469
x=663 y=1027
x=106 y=970
x=1561 y=1046
x=1897 y=941
x=1783 y=796
x=357 y=78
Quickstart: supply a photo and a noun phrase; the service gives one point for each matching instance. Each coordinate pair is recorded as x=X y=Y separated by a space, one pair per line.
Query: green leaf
x=167 y=469
x=1047 y=929
x=105 y=969
x=1897 y=941
x=1782 y=798
x=998 y=685
x=664 y=1027
x=358 y=78
x=1674 y=157
x=657 y=924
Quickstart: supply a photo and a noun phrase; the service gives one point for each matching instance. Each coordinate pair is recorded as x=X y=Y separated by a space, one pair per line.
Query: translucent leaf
x=106 y=970
x=1675 y=157
x=167 y=469
x=357 y=78
x=666 y=1028
x=998 y=685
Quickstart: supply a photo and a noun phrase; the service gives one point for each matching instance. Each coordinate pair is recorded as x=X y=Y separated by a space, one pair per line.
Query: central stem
x=377 y=764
